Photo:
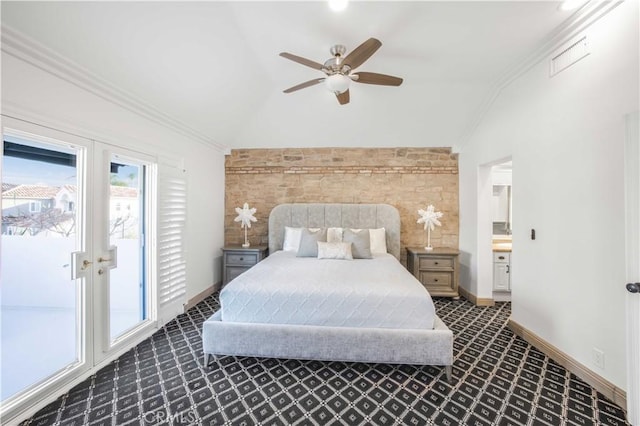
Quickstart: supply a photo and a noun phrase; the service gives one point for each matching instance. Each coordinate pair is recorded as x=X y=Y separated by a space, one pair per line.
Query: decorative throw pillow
x=309 y=242
x=334 y=235
x=378 y=240
x=360 y=242
x=334 y=251
x=291 y=238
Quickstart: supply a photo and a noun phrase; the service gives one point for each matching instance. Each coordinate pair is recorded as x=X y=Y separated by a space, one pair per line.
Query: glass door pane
x=40 y=302
x=127 y=281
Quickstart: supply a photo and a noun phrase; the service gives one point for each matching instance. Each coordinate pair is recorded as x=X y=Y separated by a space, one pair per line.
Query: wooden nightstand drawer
x=236 y=260
x=436 y=278
x=233 y=271
x=436 y=269
x=248 y=259
x=436 y=263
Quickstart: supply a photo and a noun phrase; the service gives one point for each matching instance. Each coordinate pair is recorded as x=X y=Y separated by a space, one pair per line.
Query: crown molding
x=67 y=126
x=569 y=29
x=32 y=52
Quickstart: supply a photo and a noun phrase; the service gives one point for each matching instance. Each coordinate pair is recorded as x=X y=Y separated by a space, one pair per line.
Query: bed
x=365 y=310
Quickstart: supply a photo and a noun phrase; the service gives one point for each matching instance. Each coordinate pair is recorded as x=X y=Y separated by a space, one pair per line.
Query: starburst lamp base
x=428 y=247
x=246 y=241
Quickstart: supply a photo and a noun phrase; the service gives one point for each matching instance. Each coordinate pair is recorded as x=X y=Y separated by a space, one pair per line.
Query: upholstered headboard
x=335 y=215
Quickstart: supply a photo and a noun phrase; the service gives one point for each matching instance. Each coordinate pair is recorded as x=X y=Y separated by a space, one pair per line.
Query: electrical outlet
x=598 y=357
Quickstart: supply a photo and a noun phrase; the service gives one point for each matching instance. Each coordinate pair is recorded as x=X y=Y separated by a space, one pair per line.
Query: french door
x=74 y=258
x=119 y=261
x=632 y=201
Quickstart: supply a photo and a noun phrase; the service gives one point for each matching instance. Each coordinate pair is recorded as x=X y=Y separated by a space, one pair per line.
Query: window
x=34 y=207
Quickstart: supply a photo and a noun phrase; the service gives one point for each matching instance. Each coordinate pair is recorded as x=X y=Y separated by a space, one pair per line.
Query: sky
x=22 y=171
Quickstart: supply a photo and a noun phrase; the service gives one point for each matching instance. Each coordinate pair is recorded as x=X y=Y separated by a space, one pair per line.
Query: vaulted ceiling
x=214 y=66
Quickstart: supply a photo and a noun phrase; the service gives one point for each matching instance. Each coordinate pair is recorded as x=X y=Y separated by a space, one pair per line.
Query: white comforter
x=371 y=293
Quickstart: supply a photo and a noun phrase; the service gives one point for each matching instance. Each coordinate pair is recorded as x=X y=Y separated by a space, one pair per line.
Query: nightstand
x=236 y=260
x=436 y=269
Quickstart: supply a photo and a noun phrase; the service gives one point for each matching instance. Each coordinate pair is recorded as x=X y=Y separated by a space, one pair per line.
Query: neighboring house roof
x=124 y=192
x=70 y=188
x=34 y=192
x=44 y=192
x=8 y=186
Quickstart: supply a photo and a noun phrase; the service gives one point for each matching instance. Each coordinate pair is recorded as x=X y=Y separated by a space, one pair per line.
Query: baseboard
x=596 y=381
x=502 y=296
x=202 y=295
x=474 y=299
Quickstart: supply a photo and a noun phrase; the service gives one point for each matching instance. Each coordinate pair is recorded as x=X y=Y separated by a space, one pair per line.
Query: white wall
x=33 y=94
x=565 y=135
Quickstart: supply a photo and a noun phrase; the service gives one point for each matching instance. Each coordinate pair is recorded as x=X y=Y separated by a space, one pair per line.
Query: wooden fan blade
x=301 y=60
x=303 y=85
x=343 y=98
x=362 y=53
x=375 y=78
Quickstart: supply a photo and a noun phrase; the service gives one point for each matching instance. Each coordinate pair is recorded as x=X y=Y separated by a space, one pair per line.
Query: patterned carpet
x=499 y=379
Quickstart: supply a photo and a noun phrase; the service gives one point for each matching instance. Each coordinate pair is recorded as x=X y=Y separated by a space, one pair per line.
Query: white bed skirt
x=370 y=345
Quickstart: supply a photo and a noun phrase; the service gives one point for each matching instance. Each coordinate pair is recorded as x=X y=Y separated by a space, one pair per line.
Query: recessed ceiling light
x=572 y=4
x=338 y=5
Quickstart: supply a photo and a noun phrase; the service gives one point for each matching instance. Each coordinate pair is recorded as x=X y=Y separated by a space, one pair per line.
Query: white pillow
x=291 y=239
x=334 y=235
x=378 y=240
x=337 y=250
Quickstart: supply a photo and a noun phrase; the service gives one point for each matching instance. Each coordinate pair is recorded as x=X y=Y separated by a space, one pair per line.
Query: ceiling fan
x=340 y=72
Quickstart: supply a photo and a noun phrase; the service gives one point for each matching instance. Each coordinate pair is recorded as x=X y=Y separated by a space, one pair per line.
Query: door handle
x=508 y=269
x=633 y=287
x=109 y=258
x=80 y=264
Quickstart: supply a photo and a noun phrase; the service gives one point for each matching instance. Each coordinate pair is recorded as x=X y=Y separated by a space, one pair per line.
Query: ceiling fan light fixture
x=337 y=83
x=338 y=5
x=572 y=4
x=338 y=71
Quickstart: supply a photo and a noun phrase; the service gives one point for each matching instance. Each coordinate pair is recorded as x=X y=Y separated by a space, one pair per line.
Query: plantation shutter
x=172 y=226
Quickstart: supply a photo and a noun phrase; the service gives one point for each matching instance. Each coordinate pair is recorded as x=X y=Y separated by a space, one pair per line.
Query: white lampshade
x=337 y=83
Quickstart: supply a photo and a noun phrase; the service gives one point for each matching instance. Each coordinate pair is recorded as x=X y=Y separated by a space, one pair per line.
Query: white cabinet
x=501 y=271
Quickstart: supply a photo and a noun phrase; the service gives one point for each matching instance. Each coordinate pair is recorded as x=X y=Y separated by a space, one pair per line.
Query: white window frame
x=35 y=206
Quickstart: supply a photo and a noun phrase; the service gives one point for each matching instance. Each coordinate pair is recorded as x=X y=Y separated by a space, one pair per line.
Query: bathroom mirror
x=502 y=210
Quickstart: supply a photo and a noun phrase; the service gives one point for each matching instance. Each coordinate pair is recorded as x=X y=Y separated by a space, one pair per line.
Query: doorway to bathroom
x=501 y=232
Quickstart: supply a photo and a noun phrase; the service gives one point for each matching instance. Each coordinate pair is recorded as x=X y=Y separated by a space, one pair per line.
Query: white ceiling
x=214 y=66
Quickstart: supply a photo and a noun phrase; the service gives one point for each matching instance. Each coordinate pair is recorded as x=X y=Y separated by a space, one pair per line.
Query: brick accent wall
x=407 y=178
